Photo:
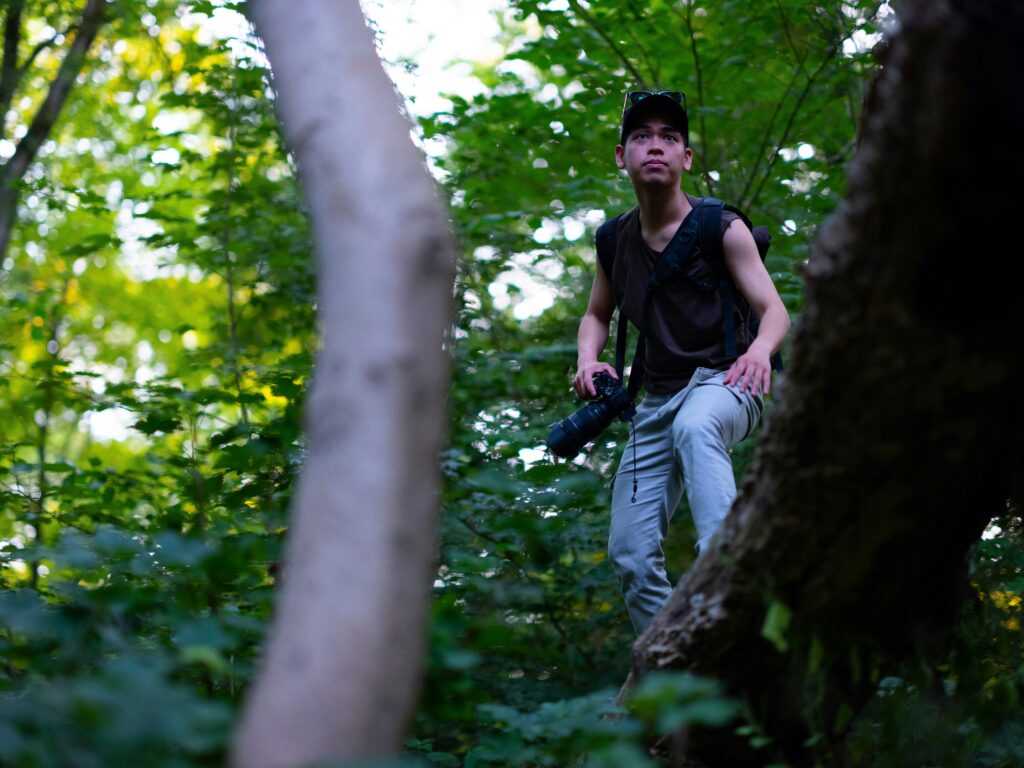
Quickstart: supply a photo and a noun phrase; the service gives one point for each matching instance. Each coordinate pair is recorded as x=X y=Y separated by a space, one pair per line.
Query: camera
x=568 y=436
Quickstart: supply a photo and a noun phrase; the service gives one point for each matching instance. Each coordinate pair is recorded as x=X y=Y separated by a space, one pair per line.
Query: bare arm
x=593 y=335
x=752 y=370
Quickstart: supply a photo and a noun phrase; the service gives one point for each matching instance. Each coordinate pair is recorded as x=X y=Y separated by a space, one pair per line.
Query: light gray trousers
x=682 y=441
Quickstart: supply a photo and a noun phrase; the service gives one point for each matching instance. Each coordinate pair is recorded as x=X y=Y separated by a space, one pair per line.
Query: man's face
x=654 y=153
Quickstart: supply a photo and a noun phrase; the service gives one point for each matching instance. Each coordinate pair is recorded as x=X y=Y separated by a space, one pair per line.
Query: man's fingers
x=748 y=376
x=761 y=382
x=745 y=380
x=579 y=384
x=583 y=383
x=751 y=379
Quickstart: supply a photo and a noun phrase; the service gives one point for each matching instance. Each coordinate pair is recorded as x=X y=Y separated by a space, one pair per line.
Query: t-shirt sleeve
x=728 y=217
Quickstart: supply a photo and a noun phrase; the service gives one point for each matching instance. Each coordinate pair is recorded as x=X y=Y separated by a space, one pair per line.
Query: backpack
x=700 y=234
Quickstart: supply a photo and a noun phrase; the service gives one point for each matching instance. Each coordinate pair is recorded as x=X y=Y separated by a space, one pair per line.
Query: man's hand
x=583 y=381
x=752 y=371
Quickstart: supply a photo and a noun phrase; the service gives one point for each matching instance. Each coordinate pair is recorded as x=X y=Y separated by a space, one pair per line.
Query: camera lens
x=572 y=433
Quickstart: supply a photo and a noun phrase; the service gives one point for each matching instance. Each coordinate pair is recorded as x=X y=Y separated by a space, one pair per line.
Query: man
x=699 y=401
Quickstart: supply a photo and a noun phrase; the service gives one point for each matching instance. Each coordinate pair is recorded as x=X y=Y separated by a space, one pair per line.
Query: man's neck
x=661 y=213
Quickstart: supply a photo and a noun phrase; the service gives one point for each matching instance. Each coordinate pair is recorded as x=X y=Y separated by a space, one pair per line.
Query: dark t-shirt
x=684 y=325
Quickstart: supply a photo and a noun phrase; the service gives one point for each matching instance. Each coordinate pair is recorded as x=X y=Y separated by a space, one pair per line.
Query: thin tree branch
x=229 y=264
x=687 y=20
x=582 y=13
x=698 y=71
x=12 y=172
x=41 y=46
x=789 y=38
x=46 y=116
x=9 y=70
x=852 y=107
x=761 y=153
x=49 y=401
x=629 y=30
x=861 y=90
x=765 y=141
x=792 y=119
x=11 y=83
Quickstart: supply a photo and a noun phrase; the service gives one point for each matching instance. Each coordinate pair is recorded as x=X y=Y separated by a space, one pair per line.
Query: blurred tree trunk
x=12 y=73
x=896 y=435
x=341 y=671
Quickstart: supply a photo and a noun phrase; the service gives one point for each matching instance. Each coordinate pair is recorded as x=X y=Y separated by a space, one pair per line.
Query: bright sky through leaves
x=440 y=38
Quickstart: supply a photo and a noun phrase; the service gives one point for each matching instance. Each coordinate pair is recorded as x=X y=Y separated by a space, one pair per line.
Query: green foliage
x=159 y=334
x=63 y=721
x=669 y=701
x=156 y=343
x=558 y=733
x=776 y=622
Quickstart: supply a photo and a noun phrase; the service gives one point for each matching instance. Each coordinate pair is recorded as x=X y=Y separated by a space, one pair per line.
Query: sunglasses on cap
x=635 y=97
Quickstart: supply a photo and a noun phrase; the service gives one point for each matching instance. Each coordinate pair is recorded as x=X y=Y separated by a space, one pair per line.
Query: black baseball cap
x=671 y=103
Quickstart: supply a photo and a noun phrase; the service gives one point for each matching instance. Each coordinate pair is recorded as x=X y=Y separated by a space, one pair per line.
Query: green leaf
x=177 y=551
x=776 y=622
x=670 y=700
x=154 y=423
x=205 y=656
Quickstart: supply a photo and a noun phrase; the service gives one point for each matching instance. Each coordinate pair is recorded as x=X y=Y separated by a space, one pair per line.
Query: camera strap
x=636 y=368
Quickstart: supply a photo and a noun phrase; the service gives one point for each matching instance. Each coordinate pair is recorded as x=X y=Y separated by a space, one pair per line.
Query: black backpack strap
x=620 y=345
x=711 y=232
x=636 y=370
x=605 y=242
x=711 y=245
x=679 y=249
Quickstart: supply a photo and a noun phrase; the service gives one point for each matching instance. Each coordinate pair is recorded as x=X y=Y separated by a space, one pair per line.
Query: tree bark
x=895 y=437
x=14 y=169
x=9 y=67
x=341 y=670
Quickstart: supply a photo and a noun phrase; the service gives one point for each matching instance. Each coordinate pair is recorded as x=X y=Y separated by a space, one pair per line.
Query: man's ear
x=620 y=156
x=687 y=159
